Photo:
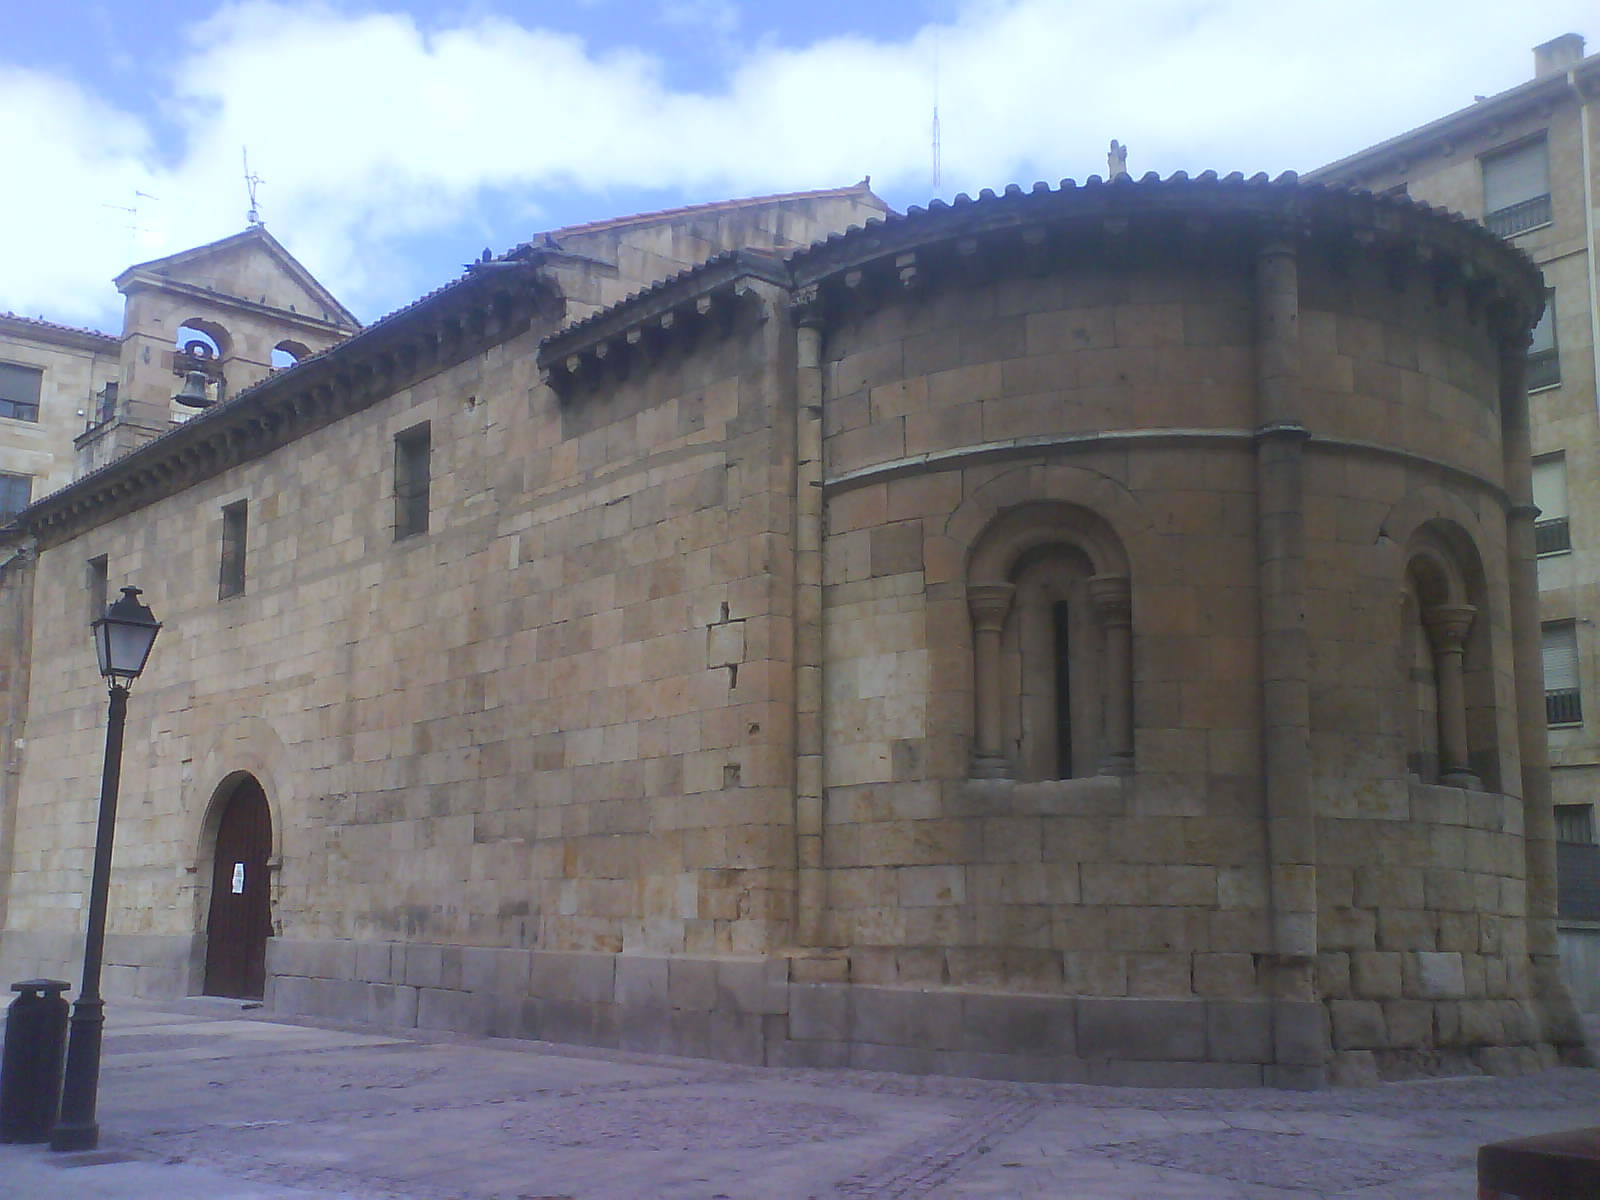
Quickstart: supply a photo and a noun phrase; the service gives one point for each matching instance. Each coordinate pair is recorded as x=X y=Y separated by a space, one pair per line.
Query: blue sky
x=395 y=141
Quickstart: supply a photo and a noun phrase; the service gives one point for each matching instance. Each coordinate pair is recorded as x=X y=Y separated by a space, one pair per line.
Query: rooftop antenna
x=134 y=228
x=253 y=217
x=936 y=112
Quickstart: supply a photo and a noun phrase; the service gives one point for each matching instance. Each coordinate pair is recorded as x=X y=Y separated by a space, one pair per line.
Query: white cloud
x=367 y=128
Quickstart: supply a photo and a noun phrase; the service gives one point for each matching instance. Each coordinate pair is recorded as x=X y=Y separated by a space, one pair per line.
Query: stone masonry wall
x=556 y=718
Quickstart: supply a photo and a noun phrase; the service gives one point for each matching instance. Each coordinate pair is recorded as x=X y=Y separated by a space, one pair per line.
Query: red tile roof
x=38 y=323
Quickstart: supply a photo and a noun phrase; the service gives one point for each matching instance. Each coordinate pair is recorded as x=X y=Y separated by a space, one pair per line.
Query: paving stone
x=213 y=1103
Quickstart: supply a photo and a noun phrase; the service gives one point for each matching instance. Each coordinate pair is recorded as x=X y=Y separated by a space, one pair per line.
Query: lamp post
x=122 y=639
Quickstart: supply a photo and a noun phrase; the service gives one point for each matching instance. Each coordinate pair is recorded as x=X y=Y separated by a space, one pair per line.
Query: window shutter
x=1515 y=176
x=1544 y=333
x=1560 y=657
x=1550 y=487
x=20 y=384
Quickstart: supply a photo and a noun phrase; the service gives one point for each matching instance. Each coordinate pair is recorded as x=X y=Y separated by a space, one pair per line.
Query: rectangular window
x=1551 y=533
x=1563 y=703
x=19 y=392
x=1516 y=189
x=105 y=403
x=411 y=450
x=1544 y=359
x=1575 y=823
x=95 y=584
x=15 y=492
x=235 y=522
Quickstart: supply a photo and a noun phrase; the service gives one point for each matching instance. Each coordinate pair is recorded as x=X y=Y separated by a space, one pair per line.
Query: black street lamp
x=122 y=639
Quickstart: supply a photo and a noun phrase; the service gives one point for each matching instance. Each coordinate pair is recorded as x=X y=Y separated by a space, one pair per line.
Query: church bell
x=193 y=392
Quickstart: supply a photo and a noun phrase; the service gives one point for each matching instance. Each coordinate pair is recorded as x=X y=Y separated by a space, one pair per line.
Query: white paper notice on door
x=238 y=879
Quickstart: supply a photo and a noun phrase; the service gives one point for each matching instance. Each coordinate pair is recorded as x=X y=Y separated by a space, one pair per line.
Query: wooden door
x=241 y=913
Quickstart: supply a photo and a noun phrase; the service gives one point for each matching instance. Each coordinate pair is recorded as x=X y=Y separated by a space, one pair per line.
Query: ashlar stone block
x=1437 y=976
x=1141 y=1029
x=1358 y=1025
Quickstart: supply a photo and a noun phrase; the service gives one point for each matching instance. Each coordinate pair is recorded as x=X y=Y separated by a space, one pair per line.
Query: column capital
x=805 y=307
x=1448 y=625
x=1279 y=239
x=1112 y=596
x=989 y=604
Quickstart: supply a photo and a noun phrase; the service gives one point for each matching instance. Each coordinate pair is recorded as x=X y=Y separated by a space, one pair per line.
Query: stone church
x=1074 y=634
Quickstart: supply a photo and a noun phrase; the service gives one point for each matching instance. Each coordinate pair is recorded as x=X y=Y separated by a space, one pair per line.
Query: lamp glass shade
x=123 y=637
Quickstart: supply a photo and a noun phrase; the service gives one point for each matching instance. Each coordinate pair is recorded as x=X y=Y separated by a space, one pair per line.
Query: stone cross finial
x=1117 y=160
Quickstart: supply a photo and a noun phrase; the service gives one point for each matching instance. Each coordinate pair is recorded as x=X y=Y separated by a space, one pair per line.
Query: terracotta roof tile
x=40 y=323
x=862 y=189
x=816 y=255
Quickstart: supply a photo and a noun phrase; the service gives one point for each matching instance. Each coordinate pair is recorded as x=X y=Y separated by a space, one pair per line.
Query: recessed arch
x=1021 y=533
x=1116 y=508
x=1051 y=606
x=1447 y=655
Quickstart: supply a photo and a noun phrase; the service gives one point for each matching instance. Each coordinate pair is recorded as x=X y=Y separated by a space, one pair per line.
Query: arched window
x=1445 y=659
x=1050 y=602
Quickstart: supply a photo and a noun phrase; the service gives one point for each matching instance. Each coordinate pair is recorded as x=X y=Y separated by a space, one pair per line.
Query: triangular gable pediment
x=251 y=266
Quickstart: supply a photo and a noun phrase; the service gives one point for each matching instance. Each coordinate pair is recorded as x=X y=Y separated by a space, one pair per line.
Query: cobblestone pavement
x=201 y=1099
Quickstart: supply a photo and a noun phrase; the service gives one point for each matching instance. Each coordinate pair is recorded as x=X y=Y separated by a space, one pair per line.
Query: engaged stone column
x=1558 y=1014
x=809 y=827
x=1448 y=625
x=1288 y=973
x=989 y=604
x=1113 y=600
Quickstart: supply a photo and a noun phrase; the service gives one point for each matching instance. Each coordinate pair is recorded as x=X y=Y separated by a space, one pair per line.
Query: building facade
x=1074 y=634
x=51 y=378
x=1526 y=163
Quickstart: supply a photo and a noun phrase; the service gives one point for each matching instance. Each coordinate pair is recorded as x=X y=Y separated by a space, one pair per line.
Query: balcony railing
x=1552 y=537
x=1517 y=218
x=1563 y=706
x=1544 y=370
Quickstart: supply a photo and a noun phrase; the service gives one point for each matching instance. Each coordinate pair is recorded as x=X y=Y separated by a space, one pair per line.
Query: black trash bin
x=30 y=1069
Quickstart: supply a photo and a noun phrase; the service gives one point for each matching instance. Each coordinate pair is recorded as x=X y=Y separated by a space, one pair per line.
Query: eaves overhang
x=1469 y=124
x=906 y=254
x=135 y=279
x=466 y=317
x=1077 y=216
x=678 y=299
x=31 y=329
x=160 y=270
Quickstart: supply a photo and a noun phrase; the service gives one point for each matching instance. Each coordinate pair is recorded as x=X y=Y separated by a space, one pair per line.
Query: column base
x=990 y=766
x=1118 y=763
x=75 y=1137
x=1460 y=779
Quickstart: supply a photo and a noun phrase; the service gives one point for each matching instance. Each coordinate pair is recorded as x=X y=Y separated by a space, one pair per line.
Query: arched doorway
x=241 y=914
